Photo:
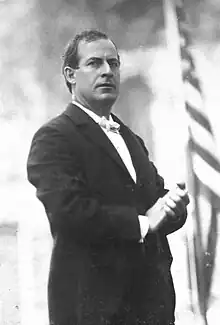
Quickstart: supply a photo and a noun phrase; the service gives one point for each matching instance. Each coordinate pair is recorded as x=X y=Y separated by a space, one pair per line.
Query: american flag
x=203 y=163
x=204 y=172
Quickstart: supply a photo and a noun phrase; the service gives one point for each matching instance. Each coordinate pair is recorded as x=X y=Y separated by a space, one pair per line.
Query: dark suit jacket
x=98 y=268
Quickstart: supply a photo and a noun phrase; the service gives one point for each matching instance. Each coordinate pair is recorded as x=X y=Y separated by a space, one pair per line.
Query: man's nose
x=106 y=69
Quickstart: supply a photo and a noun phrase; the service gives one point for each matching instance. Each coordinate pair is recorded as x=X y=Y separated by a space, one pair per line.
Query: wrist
x=156 y=215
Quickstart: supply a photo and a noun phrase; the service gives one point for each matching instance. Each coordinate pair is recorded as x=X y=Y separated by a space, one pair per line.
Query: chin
x=108 y=96
x=108 y=100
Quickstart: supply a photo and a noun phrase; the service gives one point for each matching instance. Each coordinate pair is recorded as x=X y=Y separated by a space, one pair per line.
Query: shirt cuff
x=144 y=226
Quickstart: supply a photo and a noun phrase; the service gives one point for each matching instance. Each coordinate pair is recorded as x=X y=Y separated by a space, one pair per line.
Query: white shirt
x=120 y=145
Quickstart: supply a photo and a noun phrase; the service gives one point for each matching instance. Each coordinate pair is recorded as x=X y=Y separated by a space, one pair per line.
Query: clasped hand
x=172 y=205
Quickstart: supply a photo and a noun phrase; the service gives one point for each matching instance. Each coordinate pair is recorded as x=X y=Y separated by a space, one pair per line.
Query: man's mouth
x=106 y=85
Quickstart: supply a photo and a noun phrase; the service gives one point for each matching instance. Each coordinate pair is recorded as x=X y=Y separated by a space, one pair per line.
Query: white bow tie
x=109 y=125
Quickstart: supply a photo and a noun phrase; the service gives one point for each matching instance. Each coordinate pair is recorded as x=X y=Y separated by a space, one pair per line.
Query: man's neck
x=104 y=110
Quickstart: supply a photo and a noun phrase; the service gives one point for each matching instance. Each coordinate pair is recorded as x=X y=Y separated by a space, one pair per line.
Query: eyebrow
x=100 y=59
x=94 y=58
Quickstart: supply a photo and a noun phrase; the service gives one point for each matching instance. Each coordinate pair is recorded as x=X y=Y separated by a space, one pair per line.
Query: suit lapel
x=92 y=131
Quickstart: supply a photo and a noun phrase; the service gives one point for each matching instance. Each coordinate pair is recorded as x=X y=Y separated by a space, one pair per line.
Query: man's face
x=97 y=78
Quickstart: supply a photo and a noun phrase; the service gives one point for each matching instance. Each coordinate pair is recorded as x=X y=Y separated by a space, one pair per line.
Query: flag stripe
x=199 y=118
x=193 y=81
x=207 y=157
x=206 y=174
x=198 y=132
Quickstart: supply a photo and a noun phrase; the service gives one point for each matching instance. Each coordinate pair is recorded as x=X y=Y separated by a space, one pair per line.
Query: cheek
x=87 y=80
x=83 y=82
x=117 y=78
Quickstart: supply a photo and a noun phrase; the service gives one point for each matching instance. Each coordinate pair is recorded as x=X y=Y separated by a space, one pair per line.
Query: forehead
x=102 y=48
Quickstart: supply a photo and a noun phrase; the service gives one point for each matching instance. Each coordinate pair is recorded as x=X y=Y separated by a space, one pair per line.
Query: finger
x=174 y=217
x=186 y=199
x=169 y=211
x=183 y=195
x=177 y=191
x=175 y=198
x=173 y=214
x=177 y=194
x=176 y=204
x=170 y=203
x=181 y=185
x=180 y=191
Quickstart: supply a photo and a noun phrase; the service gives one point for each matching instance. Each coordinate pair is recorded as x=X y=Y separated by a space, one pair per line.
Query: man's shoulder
x=58 y=122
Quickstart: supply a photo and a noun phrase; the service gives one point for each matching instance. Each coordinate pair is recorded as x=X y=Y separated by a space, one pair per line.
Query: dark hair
x=70 y=56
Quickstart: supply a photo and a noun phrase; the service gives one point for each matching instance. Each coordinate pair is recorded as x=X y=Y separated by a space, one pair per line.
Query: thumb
x=181 y=185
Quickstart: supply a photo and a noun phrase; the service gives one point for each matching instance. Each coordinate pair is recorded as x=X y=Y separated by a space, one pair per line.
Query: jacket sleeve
x=168 y=226
x=55 y=169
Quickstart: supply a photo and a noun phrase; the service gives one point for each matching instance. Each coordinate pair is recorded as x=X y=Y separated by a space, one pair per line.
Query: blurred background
x=33 y=34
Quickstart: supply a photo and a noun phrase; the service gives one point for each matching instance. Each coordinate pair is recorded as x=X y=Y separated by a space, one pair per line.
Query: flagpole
x=173 y=47
x=173 y=41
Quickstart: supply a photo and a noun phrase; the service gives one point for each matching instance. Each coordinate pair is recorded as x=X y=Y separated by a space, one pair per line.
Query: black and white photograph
x=109 y=162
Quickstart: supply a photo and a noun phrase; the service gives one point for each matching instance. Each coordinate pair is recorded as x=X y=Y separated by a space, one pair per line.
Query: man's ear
x=70 y=74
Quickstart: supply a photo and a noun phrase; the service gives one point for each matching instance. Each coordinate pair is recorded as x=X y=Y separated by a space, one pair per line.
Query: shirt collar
x=93 y=115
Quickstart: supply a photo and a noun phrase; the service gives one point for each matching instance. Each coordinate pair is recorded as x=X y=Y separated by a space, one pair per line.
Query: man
x=108 y=210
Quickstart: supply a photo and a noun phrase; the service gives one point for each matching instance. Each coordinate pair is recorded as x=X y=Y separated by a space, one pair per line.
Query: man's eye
x=93 y=63
x=114 y=64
